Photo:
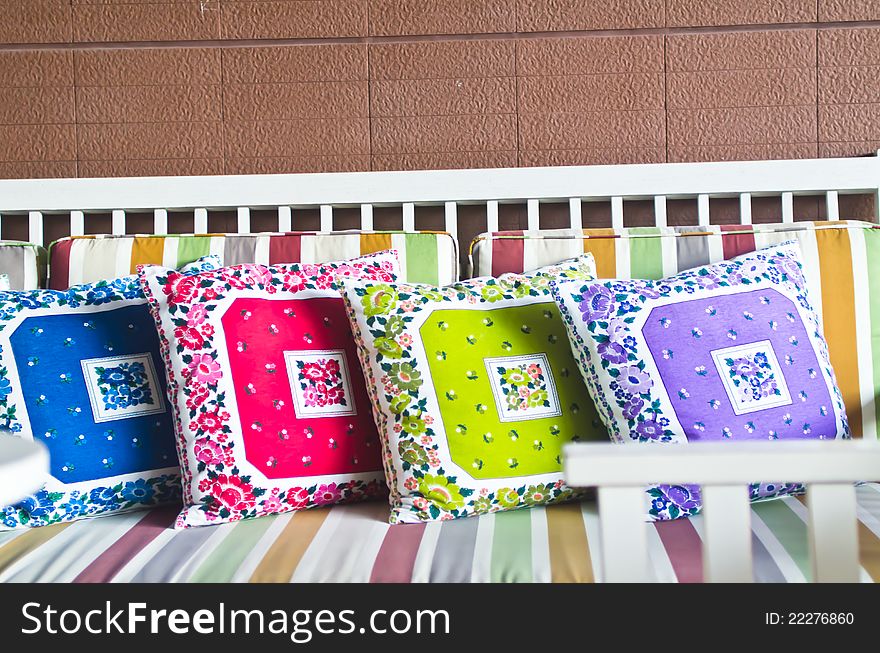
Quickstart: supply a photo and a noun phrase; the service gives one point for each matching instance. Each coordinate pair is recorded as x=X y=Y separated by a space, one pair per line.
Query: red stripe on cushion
x=684 y=548
x=285 y=249
x=121 y=552
x=59 y=265
x=735 y=244
x=397 y=555
x=507 y=254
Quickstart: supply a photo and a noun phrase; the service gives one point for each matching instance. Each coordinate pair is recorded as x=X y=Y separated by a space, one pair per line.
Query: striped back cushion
x=842 y=262
x=24 y=264
x=426 y=257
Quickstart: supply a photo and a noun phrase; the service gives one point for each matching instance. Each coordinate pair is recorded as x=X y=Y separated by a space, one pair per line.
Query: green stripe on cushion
x=222 y=563
x=421 y=258
x=191 y=248
x=789 y=529
x=645 y=254
x=512 y=547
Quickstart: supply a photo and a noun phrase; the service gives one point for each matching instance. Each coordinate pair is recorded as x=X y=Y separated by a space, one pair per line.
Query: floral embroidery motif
x=122 y=386
x=751 y=377
x=523 y=387
x=320 y=383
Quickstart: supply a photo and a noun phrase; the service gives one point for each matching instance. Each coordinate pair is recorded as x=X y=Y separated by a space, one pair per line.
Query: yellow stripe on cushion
x=600 y=244
x=24 y=544
x=569 y=551
x=838 y=312
x=374 y=243
x=283 y=557
x=146 y=250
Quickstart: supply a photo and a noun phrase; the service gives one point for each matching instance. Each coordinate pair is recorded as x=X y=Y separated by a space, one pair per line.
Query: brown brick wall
x=174 y=87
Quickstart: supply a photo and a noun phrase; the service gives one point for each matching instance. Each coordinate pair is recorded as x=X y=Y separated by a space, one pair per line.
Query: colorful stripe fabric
x=427 y=257
x=355 y=543
x=842 y=268
x=24 y=264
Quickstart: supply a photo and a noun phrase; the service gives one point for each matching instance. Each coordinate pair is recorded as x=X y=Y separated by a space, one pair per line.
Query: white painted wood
x=832 y=209
x=200 y=222
x=117 y=226
x=35 y=227
x=622 y=531
x=24 y=467
x=160 y=222
x=492 y=215
x=617 y=212
x=703 y=210
x=745 y=208
x=575 y=213
x=326 y=218
x=367 y=217
x=285 y=219
x=660 y=210
x=450 y=211
x=727 y=549
x=409 y=216
x=834 y=545
x=533 y=215
x=244 y=220
x=77 y=223
x=788 y=207
x=820 y=461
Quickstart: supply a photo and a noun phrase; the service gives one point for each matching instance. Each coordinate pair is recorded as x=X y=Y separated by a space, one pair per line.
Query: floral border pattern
x=53 y=505
x=215 y=489
x=380 y=315
x=614 y=368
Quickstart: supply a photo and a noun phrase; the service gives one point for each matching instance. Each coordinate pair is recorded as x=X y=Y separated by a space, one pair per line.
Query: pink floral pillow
x=271 y=409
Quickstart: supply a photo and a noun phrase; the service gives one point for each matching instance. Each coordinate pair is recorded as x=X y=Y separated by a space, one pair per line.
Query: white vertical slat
x=451 y=213
x=622 y=529
x=409 y=216
x=727 y=548
x=787 y=207
x=285 y=220
x=703 y=210
x=617 y=213
x=244 y=220
x=77 y=223
x=834 y=545
x=366 y=217
x=533 y=215
x=832 y=210
x=160 y=222
x=35 y=227
x=117 y=227
x=200 y=221
x=660 y=211
x=326 y=218
x=745 y=208
x=492 y=215
x=575 y=213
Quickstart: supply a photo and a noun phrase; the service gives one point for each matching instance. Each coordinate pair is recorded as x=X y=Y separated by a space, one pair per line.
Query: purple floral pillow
x=730 y=351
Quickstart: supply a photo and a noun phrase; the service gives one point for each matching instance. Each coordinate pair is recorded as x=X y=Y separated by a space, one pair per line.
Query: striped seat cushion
x=24 y=264
x=842 y=268
x=426 y=257
x=355 y=544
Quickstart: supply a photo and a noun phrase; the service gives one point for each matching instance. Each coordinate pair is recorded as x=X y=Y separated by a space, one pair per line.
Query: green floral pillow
x=474 y=388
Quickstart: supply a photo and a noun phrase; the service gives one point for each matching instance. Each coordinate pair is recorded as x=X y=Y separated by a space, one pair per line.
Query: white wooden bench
x=724 y=470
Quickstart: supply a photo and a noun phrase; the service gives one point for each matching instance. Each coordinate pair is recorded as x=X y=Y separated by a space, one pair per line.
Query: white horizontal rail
x=725 y=463
x=437 y=186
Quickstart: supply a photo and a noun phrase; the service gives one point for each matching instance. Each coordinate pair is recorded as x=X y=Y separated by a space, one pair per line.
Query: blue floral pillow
x=80 y=370
x=730 y=351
